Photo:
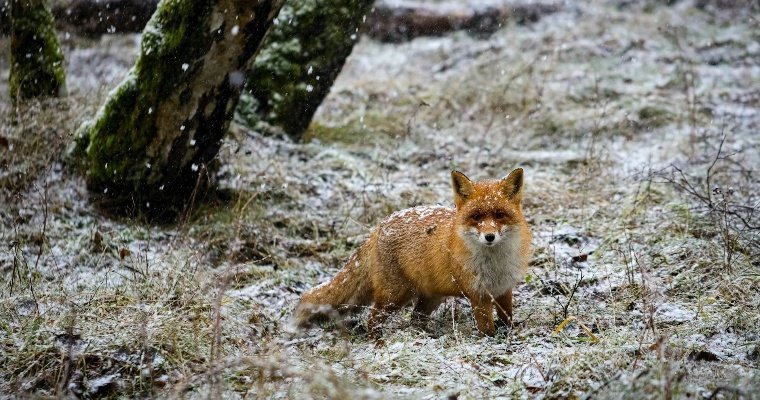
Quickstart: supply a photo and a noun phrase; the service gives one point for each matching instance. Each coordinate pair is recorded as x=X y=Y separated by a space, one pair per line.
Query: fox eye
x=476 y=216
x=499 y=215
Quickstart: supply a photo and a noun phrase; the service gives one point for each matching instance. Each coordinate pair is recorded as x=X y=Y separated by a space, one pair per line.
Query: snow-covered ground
x=599 y=102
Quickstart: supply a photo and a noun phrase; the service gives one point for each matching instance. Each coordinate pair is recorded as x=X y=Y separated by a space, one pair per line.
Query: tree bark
x=153 y=142
x=36 y=57
x=299 y=62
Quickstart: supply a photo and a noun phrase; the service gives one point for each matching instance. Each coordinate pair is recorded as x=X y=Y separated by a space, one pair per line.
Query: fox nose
x=490 y=237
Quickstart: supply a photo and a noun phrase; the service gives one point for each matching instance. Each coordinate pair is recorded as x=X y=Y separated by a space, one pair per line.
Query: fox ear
x=512 y=185
x=462 y=186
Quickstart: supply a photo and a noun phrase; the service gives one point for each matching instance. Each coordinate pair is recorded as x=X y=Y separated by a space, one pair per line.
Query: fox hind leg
x=386 y=302
x=425 y=306
x=377 y=315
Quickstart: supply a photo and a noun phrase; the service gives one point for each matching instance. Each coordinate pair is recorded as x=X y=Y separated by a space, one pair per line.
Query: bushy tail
x=347 y=291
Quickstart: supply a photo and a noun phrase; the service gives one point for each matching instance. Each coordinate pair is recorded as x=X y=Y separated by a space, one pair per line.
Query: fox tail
x=349 y=290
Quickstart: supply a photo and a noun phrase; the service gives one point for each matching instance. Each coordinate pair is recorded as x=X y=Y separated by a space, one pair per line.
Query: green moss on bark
x=161 y=128
x=36 y=57
x=299 y=62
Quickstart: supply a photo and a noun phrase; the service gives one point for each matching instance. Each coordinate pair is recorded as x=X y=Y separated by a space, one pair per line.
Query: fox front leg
x=504 y=307
x=482 y=309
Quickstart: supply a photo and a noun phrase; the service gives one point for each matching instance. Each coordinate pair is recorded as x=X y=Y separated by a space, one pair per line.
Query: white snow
x=673 y=313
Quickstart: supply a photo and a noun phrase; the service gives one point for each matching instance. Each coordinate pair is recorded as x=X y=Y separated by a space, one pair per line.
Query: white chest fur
x=496 y=268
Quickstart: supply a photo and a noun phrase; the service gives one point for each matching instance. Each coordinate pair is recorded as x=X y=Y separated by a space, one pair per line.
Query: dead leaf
x=580 y=258
x=124 y=253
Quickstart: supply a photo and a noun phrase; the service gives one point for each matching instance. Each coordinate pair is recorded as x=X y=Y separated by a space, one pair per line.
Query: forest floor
x=636 y=122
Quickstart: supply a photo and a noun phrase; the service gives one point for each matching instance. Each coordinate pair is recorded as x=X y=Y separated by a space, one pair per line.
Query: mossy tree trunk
x=5 y=17
x=159 y=131
x=299 y=62
x=36 y=57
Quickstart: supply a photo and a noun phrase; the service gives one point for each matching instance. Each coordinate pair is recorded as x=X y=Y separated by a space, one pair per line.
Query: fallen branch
x=96 y=17
x=390 y=21
x=396 y=21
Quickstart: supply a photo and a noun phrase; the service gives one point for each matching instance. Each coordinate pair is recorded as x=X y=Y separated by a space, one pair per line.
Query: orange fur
x=479 y=250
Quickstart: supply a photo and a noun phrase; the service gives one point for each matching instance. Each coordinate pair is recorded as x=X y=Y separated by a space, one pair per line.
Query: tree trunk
x=156 y=137
x=5 y=17
x=36 y=57
x=299 y=62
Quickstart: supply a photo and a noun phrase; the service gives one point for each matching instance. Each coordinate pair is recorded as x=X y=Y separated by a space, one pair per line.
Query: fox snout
x=486 y=234
x=489 y=238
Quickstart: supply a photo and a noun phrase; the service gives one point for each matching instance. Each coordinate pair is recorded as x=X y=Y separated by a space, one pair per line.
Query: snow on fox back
x=425 y=217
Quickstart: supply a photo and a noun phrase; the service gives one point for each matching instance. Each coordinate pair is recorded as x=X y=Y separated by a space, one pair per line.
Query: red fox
x=479 y=250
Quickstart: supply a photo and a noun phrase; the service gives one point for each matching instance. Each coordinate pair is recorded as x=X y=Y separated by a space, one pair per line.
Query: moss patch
x=36 y=57
x=324 y=133
x=299 y=62
x=653 y=116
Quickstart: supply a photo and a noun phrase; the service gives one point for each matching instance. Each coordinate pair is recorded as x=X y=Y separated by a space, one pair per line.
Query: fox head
x=490 y=211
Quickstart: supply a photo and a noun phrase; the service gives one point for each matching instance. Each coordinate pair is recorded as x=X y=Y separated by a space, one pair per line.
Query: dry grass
x=603 y=104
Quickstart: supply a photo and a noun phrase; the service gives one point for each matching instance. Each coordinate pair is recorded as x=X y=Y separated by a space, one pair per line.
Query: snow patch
x=672 y=313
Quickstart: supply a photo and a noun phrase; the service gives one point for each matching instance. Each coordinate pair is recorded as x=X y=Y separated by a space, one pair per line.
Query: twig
x=606 y=383
x=216 y=343
x=189 y=207
x=413 y=118
x=729 y=389
x=64 y=378
x=43 y=235
x=708 y=175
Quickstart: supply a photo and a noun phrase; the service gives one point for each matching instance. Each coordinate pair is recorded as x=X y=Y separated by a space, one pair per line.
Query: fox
x=479 y=249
